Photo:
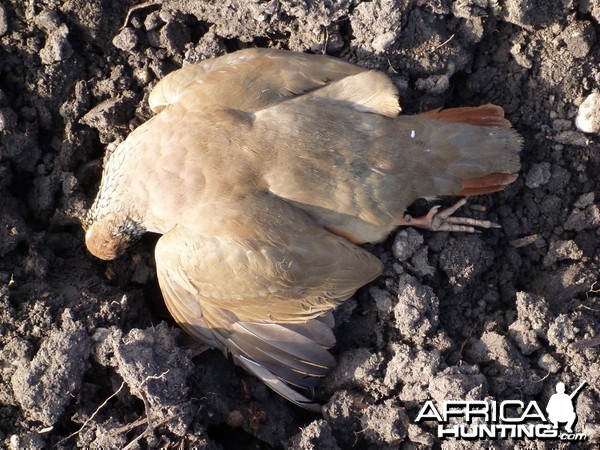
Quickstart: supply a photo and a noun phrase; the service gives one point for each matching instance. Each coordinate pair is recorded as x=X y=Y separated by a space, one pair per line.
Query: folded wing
x=249 y=80
x=264 y=298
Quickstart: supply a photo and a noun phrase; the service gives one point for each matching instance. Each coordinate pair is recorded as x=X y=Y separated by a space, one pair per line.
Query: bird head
x=104 y=243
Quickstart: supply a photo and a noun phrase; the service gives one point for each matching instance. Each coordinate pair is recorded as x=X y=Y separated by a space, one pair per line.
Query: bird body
x=262 y=170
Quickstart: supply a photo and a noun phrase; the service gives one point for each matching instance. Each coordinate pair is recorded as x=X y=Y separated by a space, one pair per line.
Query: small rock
x=48 y=383
x=3 y=21
x=571 y=138
x=142 y=75
x=8 y=119
x=410 y=366
x=48 y=21
x=524 y=337
x=406 y=243
x=532 y=323
x=463 y=259
x=31 y=441
x=317 y=434
x=588 y=116
x=434 y=85
x=463 y=382
x=174 y=36
x=126 y=40
x=382 y=424
x=235 y=418
x=548 y=363
x=57 y=46
x=341 y=411
x=538 y=175
x=579 y=37
x=355 y=368
x=561 y=332
x=522 y=58
x=417 y=310
x=384 y=41
x=583 y=219
x=420 y=263
x=561 y=124
x=109 y=112
x=383 y=302
x=585 y=200
x=561 y=250
x=534 y=310
x=153 y=21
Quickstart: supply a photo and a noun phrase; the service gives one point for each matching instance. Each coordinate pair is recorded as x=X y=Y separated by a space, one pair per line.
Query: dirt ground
x=89 y=356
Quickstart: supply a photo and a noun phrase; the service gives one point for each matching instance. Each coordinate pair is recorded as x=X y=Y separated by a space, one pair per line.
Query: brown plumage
x=260 y=171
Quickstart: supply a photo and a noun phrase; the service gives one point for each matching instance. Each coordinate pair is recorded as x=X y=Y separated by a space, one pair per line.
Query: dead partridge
x=263 y=170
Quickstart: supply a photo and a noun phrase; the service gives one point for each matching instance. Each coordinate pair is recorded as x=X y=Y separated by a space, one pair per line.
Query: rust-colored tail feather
x=485 y=115
x=493 y=182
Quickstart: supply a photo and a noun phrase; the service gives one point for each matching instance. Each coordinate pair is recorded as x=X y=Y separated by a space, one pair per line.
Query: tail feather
x=485 y=115
x=487 y=184
x=279 y=386
x=288 y=358
x=483 y=149
x=283 y=346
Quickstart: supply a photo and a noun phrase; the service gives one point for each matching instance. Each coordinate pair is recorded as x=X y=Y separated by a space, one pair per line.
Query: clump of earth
x=89 y=356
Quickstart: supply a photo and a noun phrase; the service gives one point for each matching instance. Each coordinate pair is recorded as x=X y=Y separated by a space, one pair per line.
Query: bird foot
x=436 y=220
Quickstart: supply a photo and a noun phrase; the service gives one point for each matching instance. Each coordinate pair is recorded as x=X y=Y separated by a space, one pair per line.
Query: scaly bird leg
x=436 y=220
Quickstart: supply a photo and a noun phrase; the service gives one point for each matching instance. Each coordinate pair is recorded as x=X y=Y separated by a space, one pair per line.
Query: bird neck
x=111 y=206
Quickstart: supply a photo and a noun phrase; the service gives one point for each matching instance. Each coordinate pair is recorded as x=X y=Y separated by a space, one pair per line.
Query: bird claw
x=436 y=220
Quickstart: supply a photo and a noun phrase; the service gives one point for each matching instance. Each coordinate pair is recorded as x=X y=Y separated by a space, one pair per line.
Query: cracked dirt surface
x=87 y=349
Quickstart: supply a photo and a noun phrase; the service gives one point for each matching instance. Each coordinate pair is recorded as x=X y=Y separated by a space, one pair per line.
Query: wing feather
x=264 y=299
x=249 y=79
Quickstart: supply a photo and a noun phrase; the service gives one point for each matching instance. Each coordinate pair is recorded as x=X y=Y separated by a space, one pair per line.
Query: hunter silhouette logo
x=560 y=407
x=479 y=419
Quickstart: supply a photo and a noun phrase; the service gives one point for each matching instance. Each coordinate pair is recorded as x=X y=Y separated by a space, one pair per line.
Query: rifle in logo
x=560 y=406
x=481 y=419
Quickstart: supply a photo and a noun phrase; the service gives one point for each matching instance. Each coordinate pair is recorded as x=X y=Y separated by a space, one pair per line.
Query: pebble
x=153 y=21
x=57 y=46
x=48 y=21
x=585 y=200
x=8 y=119
x=572 y=138
x=384 y=41
x=580 y=37
x=3 y=21
x=588 y=116
x=406 y=243
x=538 y=175
x=126 y=40
x=561 y=124
x=434 y=85
x=548 y=363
